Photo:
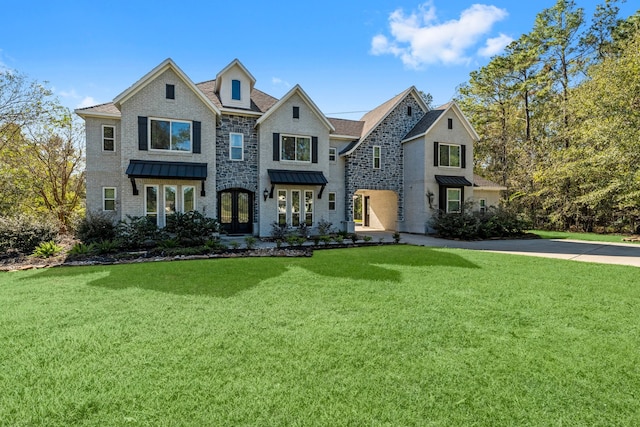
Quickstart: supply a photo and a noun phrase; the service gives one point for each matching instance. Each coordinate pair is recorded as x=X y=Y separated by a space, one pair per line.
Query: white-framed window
x=236 y=146
x=483 y=206
x=454 y=200
x=170 y=135
x=333 y=154
x=377 y=156
x=108 y=138
x=295 y=148
x=236 y=93
x=108 y=198
x=188 y=198
x=282 y=207
x=308 y=207
x=151 y=202
x=170 y=199
x=332 y=201
x=449 y=155
x=295 y=208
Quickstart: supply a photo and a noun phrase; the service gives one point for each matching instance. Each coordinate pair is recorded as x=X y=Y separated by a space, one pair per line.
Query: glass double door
x=235 y=211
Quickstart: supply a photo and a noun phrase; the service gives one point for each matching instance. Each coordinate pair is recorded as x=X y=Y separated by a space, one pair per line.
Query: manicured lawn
x=589 y=237
x=392 y=335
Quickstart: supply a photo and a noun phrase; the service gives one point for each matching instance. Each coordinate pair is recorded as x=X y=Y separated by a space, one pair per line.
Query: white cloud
x=419 y=38
x=87 y=101
x=495 y=45
x=279 y=82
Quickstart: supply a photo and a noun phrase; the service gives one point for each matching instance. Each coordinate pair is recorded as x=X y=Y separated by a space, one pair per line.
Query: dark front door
x=235 y=211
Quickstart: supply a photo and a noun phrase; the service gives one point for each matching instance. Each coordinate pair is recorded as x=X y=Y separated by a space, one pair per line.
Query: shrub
x=24 y=233
x=234 y=244
x=354 y=237
x=192 y=228
x=138 y=231
x=367 y=238
x=215 y=245
x=396 y=237
x=169 y=243
x=47 y=249
x=82 y=249
x=470 y=225
x=324 y=227
x=250 y=242
x=95 y=227
x=278 y=231
x=107 y=247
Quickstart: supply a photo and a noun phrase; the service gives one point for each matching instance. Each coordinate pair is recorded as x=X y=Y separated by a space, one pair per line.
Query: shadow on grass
x=225 y=278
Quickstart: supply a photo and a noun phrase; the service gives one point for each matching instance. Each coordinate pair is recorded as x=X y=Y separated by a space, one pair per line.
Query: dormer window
x=235 y=90
x=171 y=91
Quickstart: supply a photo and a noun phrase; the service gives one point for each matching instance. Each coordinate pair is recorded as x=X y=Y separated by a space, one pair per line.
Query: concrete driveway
x=576 y=250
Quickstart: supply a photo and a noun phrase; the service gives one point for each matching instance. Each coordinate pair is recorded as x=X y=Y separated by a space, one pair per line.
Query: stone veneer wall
x=236 y=173
x=359 y=171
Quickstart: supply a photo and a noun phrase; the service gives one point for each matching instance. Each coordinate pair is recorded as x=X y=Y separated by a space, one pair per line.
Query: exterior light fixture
x=265 y=194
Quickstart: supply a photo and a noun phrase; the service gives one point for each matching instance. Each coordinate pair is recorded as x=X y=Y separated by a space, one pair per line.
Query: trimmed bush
x=24 y=233
x=96 y=227
x=472 y=225
x=192 y=228
x=138 y=232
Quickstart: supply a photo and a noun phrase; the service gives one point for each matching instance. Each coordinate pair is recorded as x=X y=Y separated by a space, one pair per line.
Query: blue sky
x=349 y=56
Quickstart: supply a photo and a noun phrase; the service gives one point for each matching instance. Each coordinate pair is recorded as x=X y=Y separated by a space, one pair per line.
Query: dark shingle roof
x=424 y=124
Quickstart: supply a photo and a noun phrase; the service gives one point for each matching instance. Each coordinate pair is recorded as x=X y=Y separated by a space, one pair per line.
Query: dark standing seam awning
x=453 y=181
x=168 y=170
x=285 y=176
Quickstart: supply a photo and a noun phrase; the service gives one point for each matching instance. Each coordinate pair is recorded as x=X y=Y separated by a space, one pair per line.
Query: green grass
x=390 y=335
x=589 y=237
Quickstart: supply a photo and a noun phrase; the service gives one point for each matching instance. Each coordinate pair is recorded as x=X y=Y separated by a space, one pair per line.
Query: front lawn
x=389 y=335
x=589 y=237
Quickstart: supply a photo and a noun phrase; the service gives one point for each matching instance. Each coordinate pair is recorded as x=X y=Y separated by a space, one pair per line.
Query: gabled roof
x=485 y=184
x=314 y=108
x=348 y=129
x=108 y=110
x=165 y=65
x=260 y=101
x=433 y=117
x=235 y=62
x=374 y=117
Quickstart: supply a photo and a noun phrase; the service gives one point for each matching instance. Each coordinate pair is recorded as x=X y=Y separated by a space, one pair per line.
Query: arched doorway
x=235 y=210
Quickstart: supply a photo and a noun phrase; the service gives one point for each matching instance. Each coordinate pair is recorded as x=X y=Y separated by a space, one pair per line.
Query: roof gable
x=314 y=108
x=431 y=119
x=165 y=65
x=235 y=63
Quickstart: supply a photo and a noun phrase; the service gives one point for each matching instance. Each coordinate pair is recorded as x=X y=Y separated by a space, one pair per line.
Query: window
x=236 y=144
x=108 y=199
x=170 y=135
x=235 y=90
x=296 y=148
x=376 y=156
x=453 y=200
x=450 y=155
x=308 y=207
x=108 y=138
x=450 y=123
x=333 y=154
x=296 y=112
x=171 y=91
x=170 y=196
x=295 y=208
x=483 y=206
x=151 y=202
x=332 y=201
x=282 y=207
x=409 y=111
x=188 y=198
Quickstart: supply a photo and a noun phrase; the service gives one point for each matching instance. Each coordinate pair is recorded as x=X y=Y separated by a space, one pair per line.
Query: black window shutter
x=435 y=154
x=314 y=149
x=463 y=156
x=143 y=142
x=197 y=137
x=276 y=147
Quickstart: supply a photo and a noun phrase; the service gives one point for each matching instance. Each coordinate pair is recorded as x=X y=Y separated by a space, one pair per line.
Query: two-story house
x=230 y=151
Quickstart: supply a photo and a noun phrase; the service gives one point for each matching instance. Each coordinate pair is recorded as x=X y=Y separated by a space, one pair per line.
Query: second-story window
x=450 y=155
x=377 y=156
x=332 y=154
x=108 y=138
x=170 y=135
x=236 y=151
x=296 y=148
x=235 y=90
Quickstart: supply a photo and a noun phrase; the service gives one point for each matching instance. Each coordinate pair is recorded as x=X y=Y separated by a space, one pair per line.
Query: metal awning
x=287 y=176
x=167 y=170
x=453 y=181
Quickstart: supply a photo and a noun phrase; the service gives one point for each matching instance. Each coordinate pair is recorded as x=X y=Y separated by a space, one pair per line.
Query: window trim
x=105 y=199
x=377 y=157
x=184 y=188
x=332 y=195
x=236 y=88
x=459 y=199
x=105 y=138
x=231 y=147
x=309 y=138
x=164 y=199
x=171 y=121
x=333 y=152
x=146 y=211
x=448 y=145
x=279 y=206
x=311 y=204
x=483 y=205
